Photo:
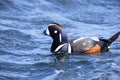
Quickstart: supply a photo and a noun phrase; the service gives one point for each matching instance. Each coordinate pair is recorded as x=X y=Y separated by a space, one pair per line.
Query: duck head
x=57 y=33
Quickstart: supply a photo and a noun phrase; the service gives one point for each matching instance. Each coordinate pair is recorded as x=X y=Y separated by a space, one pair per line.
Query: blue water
x=25 y=51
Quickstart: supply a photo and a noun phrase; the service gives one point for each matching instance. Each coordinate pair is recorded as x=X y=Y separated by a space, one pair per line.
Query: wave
x=12 y=5
x=25 y=51
x=12 y=33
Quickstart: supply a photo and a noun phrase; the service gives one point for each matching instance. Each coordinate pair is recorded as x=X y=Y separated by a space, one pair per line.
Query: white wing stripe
x=93 y=38
x=47 y=32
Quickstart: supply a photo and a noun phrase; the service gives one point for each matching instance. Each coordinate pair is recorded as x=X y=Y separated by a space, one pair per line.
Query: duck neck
x=62 y=39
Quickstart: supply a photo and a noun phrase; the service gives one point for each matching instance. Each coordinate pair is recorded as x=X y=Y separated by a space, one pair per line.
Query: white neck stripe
x=59 y=47
x=60 y=37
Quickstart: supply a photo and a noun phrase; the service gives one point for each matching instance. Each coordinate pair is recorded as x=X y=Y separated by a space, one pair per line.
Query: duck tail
x=113 y=38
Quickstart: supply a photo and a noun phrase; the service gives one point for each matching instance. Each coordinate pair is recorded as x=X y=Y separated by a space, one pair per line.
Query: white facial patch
x=47 y=31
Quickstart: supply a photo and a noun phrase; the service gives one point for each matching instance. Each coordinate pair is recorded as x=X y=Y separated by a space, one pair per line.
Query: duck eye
x=55 y=31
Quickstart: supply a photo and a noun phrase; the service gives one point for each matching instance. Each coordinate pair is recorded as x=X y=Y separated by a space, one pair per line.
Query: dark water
x=25 y=51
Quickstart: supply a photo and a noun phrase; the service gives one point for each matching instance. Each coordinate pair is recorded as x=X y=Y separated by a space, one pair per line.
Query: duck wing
x=83 y=44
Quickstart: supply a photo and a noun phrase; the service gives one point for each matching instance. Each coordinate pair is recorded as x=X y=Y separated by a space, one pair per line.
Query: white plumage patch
x=84 y=43
x=60 y=37
x=93 y=38
x=69 y=48
x=62 y=45
x=78 y=39
x=55 y=31
x=47 y=31
x=59 y=47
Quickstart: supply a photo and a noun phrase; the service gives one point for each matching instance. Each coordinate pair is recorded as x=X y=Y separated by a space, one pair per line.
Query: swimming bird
x=81 y=45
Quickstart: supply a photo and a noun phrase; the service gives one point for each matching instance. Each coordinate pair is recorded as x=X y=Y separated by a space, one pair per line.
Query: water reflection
x=62 y=57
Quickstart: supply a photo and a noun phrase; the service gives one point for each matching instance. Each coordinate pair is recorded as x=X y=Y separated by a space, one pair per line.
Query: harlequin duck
x=84 y=45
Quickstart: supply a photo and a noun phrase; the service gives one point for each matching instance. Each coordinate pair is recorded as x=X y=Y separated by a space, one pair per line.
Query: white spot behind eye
x=55 y=31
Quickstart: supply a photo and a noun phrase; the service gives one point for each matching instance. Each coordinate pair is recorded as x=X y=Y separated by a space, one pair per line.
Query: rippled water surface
x=25 y=51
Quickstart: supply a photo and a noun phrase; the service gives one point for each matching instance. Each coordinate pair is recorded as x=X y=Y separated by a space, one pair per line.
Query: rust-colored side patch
x=94 y=50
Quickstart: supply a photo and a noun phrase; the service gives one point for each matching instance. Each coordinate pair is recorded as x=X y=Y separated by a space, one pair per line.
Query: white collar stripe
x=59 y=47
x=69 y=48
